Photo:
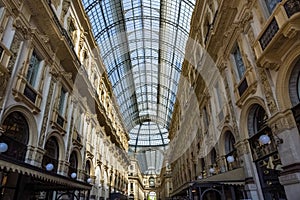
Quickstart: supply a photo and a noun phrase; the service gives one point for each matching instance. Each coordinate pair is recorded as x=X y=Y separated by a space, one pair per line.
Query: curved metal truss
x=142 y=43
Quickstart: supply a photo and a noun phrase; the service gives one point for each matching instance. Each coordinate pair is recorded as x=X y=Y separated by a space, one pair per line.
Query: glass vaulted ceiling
x=142 y=44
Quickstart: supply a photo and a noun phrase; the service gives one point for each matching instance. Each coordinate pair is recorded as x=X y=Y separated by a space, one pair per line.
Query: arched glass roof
x=142 y=43
x=148 y=134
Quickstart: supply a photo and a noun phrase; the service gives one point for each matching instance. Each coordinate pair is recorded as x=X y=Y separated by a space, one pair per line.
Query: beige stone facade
x=242 y=83
x=56 y=106
x=234 y=132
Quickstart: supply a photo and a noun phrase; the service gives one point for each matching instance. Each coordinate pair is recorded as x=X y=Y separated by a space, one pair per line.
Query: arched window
x=229 y=142
x=260 y=118
x=230 y=151
x=294 y=85
x=16 y=135
x=256 y=120
x=298 y=86
x=52 y=153
x=294 y=92
x=73 y=163
x=213 y=156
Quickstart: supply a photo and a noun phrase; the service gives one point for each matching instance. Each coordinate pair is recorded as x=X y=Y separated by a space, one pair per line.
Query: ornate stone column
x=81 y=175
x=222 y=164
x=284 y=128
x=63 y=167
x=102 y=189
x=36 y=157
x=252 y=187
x=4 y=77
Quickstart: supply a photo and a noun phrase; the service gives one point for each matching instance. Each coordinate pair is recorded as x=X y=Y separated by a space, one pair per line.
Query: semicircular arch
x=223 y=137
x=245 y=114
x=60 y=142
x=285 y=73
x=33 y=132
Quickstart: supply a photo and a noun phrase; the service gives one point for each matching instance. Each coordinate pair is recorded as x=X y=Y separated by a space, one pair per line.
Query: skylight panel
x=145 y=61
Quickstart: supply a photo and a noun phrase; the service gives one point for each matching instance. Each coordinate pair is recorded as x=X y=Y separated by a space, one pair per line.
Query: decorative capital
x=242 y=147
x=99 y=163
x=89 y=155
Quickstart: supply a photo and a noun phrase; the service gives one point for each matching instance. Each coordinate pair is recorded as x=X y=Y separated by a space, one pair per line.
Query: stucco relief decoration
x=268 y=91
x=21 y=28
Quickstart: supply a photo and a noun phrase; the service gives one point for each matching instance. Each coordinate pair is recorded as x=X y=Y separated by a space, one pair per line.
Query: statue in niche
x=65 y=7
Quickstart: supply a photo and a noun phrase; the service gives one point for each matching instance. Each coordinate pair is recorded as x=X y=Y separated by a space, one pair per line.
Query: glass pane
x=33 y=69
x=61 y=104
x=142 y=44
x=239 y=63
x=271 y=4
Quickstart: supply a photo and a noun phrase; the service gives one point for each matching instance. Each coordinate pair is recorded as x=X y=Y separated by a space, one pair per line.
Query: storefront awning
x=233 y=177
x=42 y=179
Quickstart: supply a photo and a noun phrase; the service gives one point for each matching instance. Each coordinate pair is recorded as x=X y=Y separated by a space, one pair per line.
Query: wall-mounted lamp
x=49 y=167
x=3 y=145
x=230 y=159
x=73 y=175
x=89 y=180
x=265 y=139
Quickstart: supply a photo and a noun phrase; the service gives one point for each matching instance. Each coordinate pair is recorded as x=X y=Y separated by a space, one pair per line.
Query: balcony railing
x=292 y=7
x=30 y=93
x=282 y=21
x=242 y=87
x=259 y=150
x=269 y=33
x=235 y=164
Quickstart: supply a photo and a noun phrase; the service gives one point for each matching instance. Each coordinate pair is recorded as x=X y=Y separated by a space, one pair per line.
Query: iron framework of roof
x=142 y=44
